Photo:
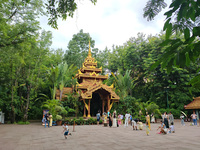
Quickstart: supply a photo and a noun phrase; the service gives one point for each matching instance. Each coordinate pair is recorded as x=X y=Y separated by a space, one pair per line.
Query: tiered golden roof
x=89 y=79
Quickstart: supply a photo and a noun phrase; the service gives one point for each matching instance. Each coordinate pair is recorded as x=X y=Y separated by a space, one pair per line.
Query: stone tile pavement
x=93 y=137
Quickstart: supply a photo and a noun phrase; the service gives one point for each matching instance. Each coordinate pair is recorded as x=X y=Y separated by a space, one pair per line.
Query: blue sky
x=109 y=22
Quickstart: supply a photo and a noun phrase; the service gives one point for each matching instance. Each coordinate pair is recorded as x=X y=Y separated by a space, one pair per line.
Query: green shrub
x=81 y=120
x=78 y=121
x=91 y=120
x=67 y=120
x=58 y=108
x=58 y=117
x=86 y=122
x=21 y=122
x=95 y=121
x=100 y=121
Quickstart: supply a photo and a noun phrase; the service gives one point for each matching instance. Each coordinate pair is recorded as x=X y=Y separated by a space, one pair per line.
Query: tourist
x=46 y=119
x=140 y=125
x=127 y=116
x=105 y=119
x=130 y=119
x=194 y=118
x=108 y=114
x=165 y=118
x=114 y=123
x=119 y=119
x=148 y=120
x=147 y=128
x=66 y=130
x=162 y=128
x=110 y=120
x=134 y=123
x=98 y=117
x=50 y=120
x=122 y=119
x=171 y=128
x=152 y=118
x=171 y=118
x=182 y=120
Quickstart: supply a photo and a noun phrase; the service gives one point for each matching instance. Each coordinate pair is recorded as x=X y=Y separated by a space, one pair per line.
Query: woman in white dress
x=114 y=119
x=152 y=118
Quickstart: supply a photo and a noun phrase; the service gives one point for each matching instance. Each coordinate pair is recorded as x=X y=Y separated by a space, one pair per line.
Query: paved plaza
x=93 y=137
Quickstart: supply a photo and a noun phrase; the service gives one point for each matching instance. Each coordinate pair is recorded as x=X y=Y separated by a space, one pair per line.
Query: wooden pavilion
x=91 y=87
x=194 y=105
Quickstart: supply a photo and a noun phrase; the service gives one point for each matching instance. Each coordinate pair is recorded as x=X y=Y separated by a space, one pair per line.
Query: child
x=171 y=128
x=162 y=128
x=134 y=123
x=182 y=120
x=147 y=128
x=66 y=130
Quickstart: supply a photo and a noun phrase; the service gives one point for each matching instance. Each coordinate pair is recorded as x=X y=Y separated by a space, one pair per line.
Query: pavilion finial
x=89 y=52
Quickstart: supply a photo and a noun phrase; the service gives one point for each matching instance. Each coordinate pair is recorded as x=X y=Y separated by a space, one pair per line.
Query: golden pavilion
x=95 y=95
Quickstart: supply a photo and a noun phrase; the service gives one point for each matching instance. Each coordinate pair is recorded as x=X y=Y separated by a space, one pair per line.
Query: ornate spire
x=89 y=52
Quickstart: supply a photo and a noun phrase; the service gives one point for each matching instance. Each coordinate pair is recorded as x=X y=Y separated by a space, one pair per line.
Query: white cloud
x=108 y=22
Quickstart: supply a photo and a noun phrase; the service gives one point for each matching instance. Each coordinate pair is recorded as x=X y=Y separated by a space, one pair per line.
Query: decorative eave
x=92 y=77
x=95 y=87
x=97 y=70
x=195 y=104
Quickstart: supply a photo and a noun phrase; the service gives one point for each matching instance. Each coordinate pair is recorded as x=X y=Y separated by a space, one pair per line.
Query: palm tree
x=53 y=79
x=124 y=84
x=65 y=76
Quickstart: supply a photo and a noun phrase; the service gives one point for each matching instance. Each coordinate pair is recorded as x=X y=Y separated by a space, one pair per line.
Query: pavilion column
x=89 y=109
x=108 y=103
x=84 y=115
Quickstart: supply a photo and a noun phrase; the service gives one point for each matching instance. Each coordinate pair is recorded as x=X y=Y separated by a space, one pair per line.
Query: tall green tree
x=78 y=48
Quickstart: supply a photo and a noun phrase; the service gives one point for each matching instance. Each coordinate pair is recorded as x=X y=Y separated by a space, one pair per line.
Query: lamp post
x=167 y=89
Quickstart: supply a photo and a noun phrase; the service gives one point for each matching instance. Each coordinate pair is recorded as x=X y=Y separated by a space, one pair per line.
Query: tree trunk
x=27 y=103
x=61 y=91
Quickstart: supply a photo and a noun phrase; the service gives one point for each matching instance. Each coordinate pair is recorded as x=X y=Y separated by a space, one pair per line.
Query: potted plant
x=58 y=120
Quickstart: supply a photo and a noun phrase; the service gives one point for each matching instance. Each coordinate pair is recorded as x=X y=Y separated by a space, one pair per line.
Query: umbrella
x=183 y=113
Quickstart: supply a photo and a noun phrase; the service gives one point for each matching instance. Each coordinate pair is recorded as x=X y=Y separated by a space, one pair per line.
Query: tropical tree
x=124 y=84
x=78 y=48
x=65 y=76
x=182 y=17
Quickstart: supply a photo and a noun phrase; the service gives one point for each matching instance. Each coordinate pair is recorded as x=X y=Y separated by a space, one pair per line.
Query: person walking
x=194 y=118
x=50 y=120
x=171 y=118
x=122 y=119
x=110 y=120
x=148 y=120
x=147 y=128
x=66 y=130
x=152 y=118
x=98 y=117
x=182 y=120
x=165 y=117
x=114 y=123
x=119 y=119
x=46 y=119
x=126 y=119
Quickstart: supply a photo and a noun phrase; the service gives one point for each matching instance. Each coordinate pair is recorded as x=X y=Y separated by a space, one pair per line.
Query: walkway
x=93 y=137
